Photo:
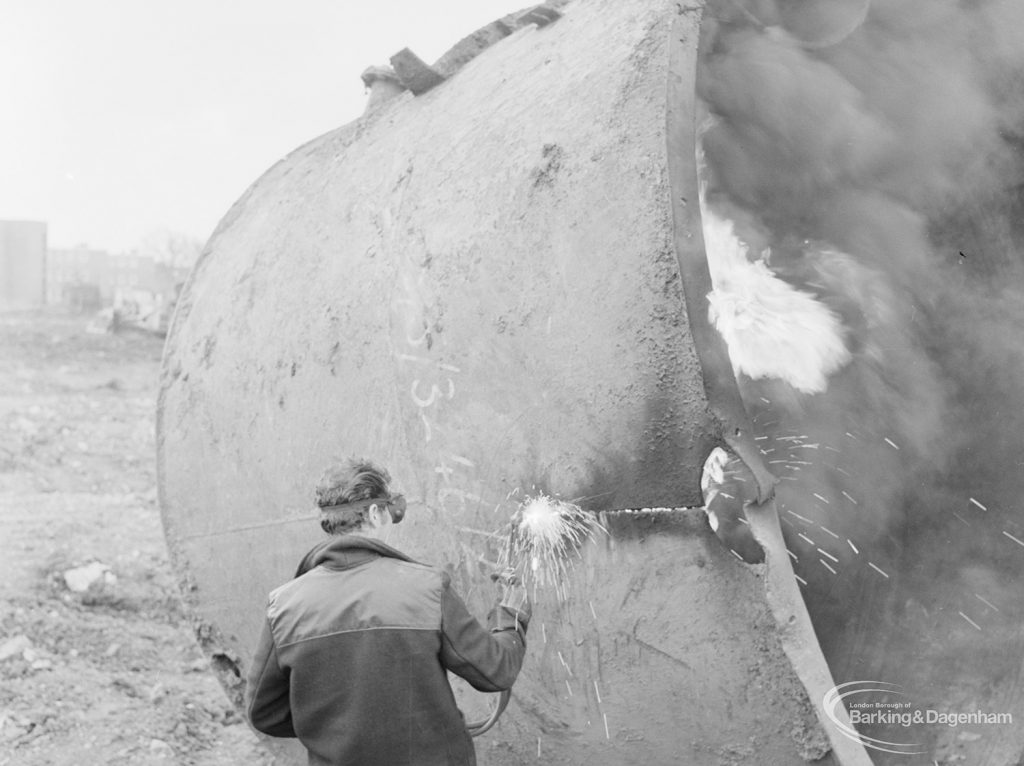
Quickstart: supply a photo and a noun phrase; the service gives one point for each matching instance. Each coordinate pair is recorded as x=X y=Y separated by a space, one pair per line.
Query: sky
x=120 y=119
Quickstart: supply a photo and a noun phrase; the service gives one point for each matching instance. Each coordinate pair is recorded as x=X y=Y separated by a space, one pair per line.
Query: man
x=353 y=653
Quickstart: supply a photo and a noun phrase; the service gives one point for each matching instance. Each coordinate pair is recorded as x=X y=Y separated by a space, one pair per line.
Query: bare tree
x=172 y=248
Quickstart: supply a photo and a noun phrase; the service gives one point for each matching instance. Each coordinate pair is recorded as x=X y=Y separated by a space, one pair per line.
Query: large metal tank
x=484 y=287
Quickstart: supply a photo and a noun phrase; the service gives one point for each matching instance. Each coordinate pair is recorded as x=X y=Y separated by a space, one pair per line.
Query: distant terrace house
x=85 y=279
x=74 y=277
x=22 y=264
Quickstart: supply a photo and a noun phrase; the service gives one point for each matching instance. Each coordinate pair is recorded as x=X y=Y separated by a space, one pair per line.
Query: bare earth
x=111 y=675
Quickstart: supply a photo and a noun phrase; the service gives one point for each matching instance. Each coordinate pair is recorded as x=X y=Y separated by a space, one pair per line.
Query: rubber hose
x=477 y=728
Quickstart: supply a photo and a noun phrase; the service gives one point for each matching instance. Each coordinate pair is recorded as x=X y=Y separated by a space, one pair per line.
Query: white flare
x=772 y=329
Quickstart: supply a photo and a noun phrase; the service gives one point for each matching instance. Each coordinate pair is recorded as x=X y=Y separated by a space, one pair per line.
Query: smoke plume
x=864 y=218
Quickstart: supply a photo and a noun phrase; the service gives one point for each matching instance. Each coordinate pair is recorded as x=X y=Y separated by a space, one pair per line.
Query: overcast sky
x=119 y=118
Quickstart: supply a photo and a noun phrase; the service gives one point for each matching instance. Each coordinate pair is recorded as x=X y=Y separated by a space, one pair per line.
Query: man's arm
x=489 y=659
x=267 y=690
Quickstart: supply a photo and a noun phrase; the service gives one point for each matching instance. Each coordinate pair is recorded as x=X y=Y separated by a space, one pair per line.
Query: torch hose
x=476 y=728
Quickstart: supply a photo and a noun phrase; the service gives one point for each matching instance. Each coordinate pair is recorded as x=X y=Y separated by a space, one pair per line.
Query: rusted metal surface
x=479 y=288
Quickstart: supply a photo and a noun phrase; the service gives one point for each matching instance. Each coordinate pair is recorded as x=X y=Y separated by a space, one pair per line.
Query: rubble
x=14 y=647
x=80 y=579
x=160 y=749
x=75 y=682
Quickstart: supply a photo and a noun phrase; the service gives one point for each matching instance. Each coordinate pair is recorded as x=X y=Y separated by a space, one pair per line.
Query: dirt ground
x=110 y=675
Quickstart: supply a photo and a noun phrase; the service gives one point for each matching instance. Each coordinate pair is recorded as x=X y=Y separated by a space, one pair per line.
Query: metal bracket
x=414 y=73
x=541 y=15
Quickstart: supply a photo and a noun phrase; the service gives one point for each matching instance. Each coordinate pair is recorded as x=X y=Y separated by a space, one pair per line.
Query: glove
x=513 y=593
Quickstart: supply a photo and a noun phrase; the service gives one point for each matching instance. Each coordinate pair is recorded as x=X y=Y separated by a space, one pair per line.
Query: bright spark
x=854 y=547
x=961 y=518
x=828 y=555
x=1015 y=539
x=891 y=443
x=986 y=602
x=826 y=565
x=849 y=498
x=878 y=570
x=805 y=537
x=564 y=664
x=979 y=504
x=792 y=555
x=800 y=579
x=546 y=532
x=828 y=531
x=597 y=691
x=794 y=513
x=976 y=625
x=822 y=499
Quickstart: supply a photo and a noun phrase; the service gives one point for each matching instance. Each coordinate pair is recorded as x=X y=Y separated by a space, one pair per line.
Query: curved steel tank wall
x=478 y=287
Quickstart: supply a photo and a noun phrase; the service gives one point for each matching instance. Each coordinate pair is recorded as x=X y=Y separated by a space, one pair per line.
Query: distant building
x=84 y=279
x=76 y=277
x=22 y=264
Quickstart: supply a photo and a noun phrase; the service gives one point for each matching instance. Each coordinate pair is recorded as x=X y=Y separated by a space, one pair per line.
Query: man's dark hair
x=358 y=479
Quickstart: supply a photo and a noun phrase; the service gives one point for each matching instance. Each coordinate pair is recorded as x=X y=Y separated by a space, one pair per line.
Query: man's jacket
x=353 y=654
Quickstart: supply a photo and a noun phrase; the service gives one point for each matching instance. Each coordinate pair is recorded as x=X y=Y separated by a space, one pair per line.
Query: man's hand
x=513 y=593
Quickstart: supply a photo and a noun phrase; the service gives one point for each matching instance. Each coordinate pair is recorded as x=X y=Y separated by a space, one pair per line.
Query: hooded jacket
x=353 y=654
